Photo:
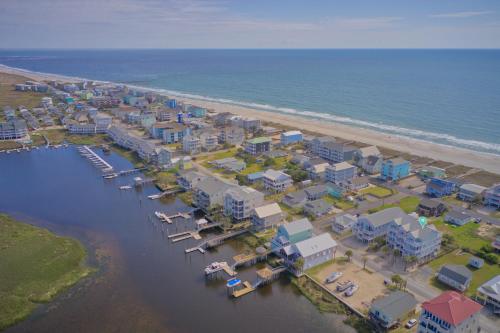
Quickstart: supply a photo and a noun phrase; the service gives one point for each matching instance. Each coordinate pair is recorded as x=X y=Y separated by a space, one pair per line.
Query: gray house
x=455 y=276
x=295 y=199
x=209 y=193
x=316 y=192
x=267 y=216
x=390 y=310
x=317 y=208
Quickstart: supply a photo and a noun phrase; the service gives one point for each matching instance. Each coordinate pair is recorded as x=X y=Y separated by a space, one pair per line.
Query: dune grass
x=35 y=265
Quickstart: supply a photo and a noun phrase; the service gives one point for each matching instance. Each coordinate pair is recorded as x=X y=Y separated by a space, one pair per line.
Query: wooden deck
x=245 y=290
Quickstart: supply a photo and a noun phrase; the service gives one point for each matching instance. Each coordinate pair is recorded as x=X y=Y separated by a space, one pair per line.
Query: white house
x=240 y=201
x=267 y=216
x=340 y=173
x=276 y=181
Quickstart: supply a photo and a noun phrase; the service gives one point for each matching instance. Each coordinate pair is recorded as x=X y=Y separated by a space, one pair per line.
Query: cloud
x=461 y=14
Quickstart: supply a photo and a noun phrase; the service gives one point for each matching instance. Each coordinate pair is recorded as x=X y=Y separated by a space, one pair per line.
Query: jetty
x=167 y=192
x=264 y=276
x=216 y=240
x=124 y=172
x=168 y=218
x=95 y=159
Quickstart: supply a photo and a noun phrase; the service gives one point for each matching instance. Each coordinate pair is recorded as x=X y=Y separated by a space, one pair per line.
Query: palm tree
x=397 y=280
x=348 y=254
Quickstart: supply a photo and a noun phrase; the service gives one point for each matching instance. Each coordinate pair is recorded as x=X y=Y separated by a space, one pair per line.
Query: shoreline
x=456 y=155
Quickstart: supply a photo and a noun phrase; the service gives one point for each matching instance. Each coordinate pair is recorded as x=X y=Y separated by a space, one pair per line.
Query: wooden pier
x=220 y=267
x=264 y=276
x=247 y=288
x=216 y=240
x=95 y=159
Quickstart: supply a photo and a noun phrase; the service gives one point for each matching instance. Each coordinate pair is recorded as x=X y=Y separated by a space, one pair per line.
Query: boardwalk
x=95 y=159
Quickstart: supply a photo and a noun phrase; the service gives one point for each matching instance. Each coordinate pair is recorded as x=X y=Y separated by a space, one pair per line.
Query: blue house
x=395 y=169
x=256 y=176
x=335 y=190
x=290 y=137
x=439 y=187
x=197 y=112
x=291 y=233
x=171 y=103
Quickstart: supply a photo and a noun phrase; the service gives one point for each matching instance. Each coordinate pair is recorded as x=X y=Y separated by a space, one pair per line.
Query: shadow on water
x=144 y=282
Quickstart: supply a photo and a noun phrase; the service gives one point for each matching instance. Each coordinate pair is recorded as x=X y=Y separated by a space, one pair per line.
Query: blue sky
x=249 y=24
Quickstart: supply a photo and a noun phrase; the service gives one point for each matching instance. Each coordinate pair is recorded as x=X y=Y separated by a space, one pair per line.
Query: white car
x=411 y=323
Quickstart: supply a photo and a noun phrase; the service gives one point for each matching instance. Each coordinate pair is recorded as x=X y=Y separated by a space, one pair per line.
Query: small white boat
x=110 y=176
x=125 y=187
x=214 y=267
x=333 y=277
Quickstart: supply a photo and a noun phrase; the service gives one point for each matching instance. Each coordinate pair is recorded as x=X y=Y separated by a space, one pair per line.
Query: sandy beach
x=488 y=162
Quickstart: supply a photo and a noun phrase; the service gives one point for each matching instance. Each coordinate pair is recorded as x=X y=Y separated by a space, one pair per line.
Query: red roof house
x=452 y=307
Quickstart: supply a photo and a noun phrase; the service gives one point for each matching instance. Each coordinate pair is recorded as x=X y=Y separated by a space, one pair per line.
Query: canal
x=144 y=283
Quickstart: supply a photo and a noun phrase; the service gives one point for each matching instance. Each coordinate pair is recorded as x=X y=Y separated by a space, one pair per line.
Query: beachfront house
x=458 y=218
x=266 y=216
x=430 y=171
x=340 y=173
x=456 y=276
x=391 y=310
x=13 y=129
x=450 y=312
x=290 y=137
x=257 y=146
x=197 y=112
x=471 y=192
x=430 y=208
x=174 y=132
x=343 y=223
x=209 y=194
x=249 y=124
x=240 y=201
x=492 y=196
x=489 y=294
x=369 y=159
x=438 y=188
x=276 y=181
x=336 y=152
x=394 y=169
x=188 y=180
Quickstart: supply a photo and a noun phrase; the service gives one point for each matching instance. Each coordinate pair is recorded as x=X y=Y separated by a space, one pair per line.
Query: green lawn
x=219 y=155
x=252 y=168
x=479 y=276
x=35 y=265
x=10 y=97
x=408 y=204
x=454 y=201
x=465 y=236
x=377 y=191
x=341 y=204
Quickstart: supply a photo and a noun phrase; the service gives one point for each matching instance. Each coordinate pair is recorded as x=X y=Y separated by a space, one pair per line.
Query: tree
x=395 y=254
x=397 y=280
x=448 y=240
x=348 y=254
x=269 y=162
x=298 y=265
x=410 y=260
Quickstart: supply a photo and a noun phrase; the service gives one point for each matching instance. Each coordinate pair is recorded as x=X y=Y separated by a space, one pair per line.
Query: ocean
x=450 y=97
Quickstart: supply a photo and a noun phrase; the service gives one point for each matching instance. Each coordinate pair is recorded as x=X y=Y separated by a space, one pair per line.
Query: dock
x=168 y=218
x=247 y=288
x=264 y=276
x=216 y=240
x=215 y=268
x=97 y=160
x=249 y=258
x=167 y=192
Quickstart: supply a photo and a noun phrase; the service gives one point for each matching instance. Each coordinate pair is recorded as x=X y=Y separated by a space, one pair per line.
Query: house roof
x=372 y=160
x=268 y=210
x=297 y=226
x=319 y=206
x=212 y=185
x=456 y=215
x=428 y=203
x=473 y=188
x=255 y=175
x=385 y=216
x=315 y=245
x=452 y=307
x=295 y=197
x=275 y=175
x=369 y=151
x=396 y=304
x=491 y=288
x=261 y=139
x=397 y=160
x=316 y=190
x=458 y=273
x=342 y=166
x=289 y=133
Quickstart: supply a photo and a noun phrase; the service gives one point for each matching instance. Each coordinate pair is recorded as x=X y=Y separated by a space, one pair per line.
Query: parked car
x=342 y=286
x=349 y=292
x=333 y=277
x=411 y=323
